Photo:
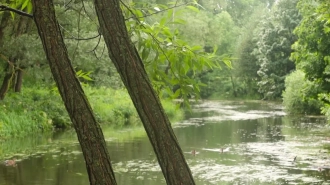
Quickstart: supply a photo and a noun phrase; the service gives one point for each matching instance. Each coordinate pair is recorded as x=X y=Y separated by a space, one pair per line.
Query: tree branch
x=157 y=12
x=19 y=12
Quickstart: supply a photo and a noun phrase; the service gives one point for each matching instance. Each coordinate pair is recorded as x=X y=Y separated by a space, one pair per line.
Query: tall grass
x=37 y=110
x=20 y=124
x=115 y=107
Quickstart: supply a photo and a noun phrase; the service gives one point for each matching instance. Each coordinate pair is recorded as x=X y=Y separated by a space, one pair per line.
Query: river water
x=225 y=142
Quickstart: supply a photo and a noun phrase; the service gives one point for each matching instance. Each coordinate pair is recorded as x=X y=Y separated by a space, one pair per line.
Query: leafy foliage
x=274 y=40
x=312 y=48
x=239 y=10
x=20 y=5
x=311 y=51
x=169 y=60
x=245 y=63
x=299 y=93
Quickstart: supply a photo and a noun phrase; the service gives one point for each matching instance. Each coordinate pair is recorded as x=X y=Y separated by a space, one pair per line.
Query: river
x=224 y=142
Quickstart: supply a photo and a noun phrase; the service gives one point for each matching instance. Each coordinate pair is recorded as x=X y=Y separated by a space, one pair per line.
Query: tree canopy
x=273 y=48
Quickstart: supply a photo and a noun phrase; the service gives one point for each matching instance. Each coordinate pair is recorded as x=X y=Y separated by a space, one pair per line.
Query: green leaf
x=176 y=94
x=193 y=8
x=79 y=72
x=163 y=21
x=24 y=5
x=196 y=48
x=87 y=78
x=145 y=53
x=167 y=33
x=179 y=21
x=29 y=7
x=170 y=13
x=12 y=14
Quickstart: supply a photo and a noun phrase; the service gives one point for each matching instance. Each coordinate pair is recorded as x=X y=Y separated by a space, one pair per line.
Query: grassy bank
x=41 y=110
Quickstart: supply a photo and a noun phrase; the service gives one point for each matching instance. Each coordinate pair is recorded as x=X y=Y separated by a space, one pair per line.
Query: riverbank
x=41 y=143
x=40 y=110
x=263 y=145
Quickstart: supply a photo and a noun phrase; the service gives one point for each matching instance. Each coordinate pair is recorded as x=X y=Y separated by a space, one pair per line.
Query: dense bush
x=300 y=95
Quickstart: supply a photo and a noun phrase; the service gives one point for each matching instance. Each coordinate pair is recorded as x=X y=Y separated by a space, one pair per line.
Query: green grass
x=41 y=110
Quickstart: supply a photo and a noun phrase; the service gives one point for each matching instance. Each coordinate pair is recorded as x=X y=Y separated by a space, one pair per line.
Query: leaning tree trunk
x=89 y=133
x=156 y=123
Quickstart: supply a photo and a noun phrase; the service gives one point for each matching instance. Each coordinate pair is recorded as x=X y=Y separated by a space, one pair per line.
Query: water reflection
x=224 y=143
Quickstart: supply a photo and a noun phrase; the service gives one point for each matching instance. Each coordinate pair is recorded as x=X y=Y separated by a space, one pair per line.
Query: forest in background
x=237 y=49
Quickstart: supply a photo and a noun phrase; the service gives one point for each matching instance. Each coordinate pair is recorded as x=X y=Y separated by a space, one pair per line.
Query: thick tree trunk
x=89 y=133
x=156 y=123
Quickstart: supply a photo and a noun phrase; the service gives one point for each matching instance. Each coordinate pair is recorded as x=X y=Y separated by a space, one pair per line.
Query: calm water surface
x=262 y=146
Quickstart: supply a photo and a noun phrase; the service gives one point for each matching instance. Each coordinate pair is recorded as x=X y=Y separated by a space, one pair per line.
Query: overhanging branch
x=19 y=12
x=160 y=11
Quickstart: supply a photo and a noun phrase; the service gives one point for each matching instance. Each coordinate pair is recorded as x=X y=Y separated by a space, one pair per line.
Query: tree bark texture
x=3 y=24
x=19 y=80
x=7 y=80
x=89 y=133
x=15 y=78
x=5 y=85
x=156 y=123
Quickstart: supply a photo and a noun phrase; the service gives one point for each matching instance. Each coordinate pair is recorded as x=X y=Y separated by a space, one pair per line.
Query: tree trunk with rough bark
x=5 y=86
x=19 y=80
x=156 y=123
x=89 y=133
x=6 y=80
x=14 y=77
x=3 y=24
x=9 y=75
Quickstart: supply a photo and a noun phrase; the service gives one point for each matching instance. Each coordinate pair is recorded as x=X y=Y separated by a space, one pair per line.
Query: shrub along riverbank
x=41 y=110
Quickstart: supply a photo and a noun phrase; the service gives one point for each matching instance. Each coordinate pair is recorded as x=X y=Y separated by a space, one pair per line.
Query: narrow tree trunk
x=3 y=24
x=19 y=80
x=156 y=123
x=7 y=80
x=5 y=86
x=89 y=133
x=13 y=78
x=233 y=85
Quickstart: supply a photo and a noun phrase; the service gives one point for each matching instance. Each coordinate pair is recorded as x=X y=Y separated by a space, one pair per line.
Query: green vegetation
x=310 y=54
x=297 y=97
x=41 y=110
x=217 y=49
x=273 y=48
